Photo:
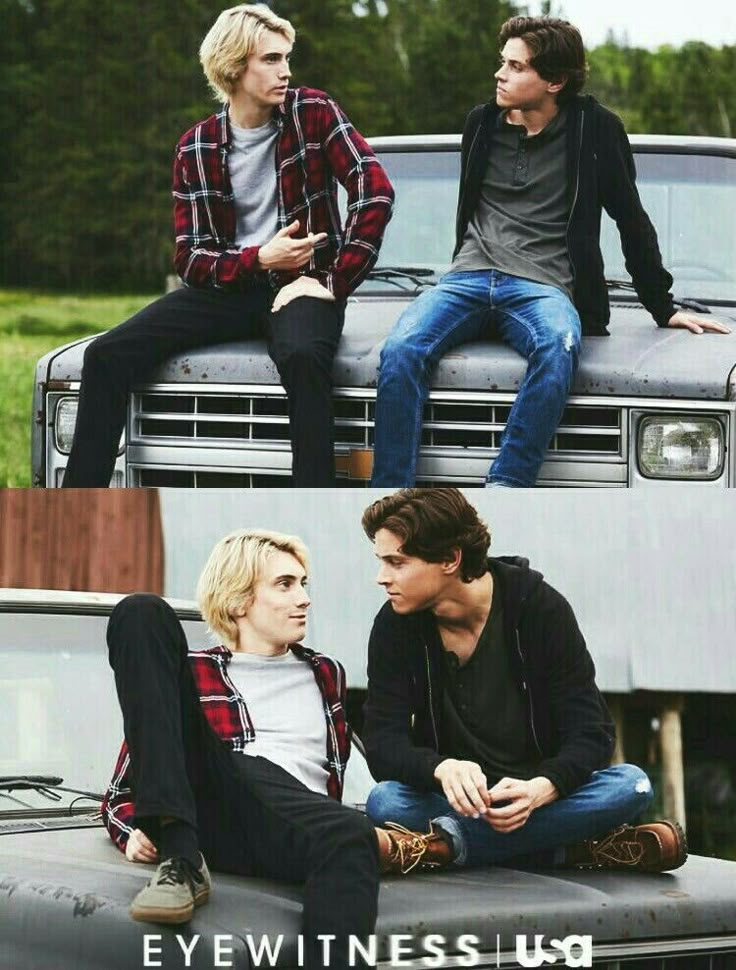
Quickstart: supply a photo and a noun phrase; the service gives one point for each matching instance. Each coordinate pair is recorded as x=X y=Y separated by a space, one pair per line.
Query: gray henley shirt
x=520 y=224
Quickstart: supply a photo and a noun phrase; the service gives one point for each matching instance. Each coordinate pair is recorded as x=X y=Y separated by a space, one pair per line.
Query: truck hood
x=638 y=359
x=64 y=899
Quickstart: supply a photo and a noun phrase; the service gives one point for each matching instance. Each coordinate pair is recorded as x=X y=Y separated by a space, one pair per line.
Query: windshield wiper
x=686 y=302
x=418 y=275
x=47 y=785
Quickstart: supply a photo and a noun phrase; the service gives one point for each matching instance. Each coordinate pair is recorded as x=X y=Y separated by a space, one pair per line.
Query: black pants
x=302 y=340
x=251 y=816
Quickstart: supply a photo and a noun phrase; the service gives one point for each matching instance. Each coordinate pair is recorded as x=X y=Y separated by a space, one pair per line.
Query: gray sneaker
x=173 y=892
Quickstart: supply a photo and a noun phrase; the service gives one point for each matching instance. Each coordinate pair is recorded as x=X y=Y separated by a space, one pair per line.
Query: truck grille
x=461 y=434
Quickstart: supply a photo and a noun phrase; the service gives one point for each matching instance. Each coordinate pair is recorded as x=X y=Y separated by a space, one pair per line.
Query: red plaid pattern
x=228 y=716
x=317 y=147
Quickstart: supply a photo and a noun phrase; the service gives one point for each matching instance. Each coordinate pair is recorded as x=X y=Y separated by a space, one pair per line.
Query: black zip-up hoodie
x=569 y=723
x=600 y=173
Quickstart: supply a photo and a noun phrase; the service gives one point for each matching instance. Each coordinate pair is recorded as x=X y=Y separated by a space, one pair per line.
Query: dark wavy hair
x=556 y=48
x=432 y=523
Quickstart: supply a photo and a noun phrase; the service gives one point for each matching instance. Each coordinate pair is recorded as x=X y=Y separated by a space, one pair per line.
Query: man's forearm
x=203 y=266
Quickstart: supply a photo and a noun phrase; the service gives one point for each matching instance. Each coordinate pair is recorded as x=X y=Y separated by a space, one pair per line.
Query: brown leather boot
x=401 y=850
x=654 y=847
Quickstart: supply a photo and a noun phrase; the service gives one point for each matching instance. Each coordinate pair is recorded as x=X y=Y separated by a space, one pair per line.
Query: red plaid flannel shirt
x=316 y=148
x=228 y=716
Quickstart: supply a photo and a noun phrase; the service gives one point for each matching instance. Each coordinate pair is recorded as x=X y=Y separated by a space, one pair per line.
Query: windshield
x=691 y=199
x=59 y=713
x=421 y=233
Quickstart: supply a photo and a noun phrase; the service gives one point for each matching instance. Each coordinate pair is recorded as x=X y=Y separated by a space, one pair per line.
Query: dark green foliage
x=106 y=91
x=690 y=90
x=448 y=53
x=93 y=98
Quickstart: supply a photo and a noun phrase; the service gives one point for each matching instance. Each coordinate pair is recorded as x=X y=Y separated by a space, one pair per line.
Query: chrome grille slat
x=498 y=426
x=241 y=436
x=199 y=418
x=452 y=423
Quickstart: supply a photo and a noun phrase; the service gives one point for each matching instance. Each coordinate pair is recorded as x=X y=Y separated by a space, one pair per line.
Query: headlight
x=64 y=423
x=681 y=446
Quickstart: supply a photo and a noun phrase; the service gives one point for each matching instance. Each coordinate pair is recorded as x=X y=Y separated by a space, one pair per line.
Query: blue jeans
x=538 y=321
x=612 y=797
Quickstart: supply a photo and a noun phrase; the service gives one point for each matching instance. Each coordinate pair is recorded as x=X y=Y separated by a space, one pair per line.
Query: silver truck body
x=217 y=416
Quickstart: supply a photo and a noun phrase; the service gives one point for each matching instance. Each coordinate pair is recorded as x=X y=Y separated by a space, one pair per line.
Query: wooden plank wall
x=103 y=540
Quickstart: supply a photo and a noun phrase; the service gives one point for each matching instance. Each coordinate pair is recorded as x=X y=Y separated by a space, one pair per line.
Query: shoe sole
x=150 y=914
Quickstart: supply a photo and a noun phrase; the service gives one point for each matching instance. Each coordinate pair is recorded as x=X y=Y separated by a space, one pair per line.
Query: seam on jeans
x=505 y=478
x=532 y=334
x=524 y=324
x=458 y=323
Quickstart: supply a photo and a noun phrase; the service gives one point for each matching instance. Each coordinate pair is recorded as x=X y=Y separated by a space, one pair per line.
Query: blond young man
x=259 y=245
x=237 y=753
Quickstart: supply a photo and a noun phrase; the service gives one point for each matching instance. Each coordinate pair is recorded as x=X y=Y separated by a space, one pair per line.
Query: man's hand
x=695 y=324
x=464 y=785
x=301 y=286
x=283 y=252
x=522 y=797
x=139 y=848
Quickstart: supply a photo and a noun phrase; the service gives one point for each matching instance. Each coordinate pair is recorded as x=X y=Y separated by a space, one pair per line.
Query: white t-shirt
x=287 y=712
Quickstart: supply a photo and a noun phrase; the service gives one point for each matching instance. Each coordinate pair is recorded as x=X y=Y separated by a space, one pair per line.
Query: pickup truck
x=648 y=407
x=65 y=889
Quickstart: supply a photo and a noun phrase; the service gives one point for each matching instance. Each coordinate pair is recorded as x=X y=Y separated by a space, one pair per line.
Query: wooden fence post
x=673 y=772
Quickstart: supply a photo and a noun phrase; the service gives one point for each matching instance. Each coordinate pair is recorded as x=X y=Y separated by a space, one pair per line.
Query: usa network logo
x=573 y=951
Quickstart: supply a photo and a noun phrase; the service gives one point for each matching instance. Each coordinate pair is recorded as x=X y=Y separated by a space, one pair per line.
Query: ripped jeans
x=612 y=797
x=537 y=320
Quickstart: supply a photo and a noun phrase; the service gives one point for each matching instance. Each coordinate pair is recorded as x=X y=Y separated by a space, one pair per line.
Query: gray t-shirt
x=287 y=712
x=520 y=224
x=252 y=166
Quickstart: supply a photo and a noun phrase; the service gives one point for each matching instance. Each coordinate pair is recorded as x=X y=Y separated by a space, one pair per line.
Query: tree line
x=93 y=98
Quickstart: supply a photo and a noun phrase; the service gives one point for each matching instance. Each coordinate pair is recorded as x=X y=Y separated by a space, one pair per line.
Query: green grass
x=32 y=323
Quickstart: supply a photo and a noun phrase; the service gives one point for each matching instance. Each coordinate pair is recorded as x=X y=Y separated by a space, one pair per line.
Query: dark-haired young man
x=483 y=721
x=539 y=162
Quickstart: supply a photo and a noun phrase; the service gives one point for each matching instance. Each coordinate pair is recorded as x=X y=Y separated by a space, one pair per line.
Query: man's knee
x=146 y=609
x=97 y=355
x=412 y=345
x=560 y=335
x=142 y=604
x=401 y=353
x=637 y=786
x=385 y=802
x=303 y=356
x=350 y=832
x=629 y=790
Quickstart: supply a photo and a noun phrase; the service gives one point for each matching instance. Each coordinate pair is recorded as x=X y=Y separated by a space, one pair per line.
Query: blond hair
x=232 y=39
x=235 y=565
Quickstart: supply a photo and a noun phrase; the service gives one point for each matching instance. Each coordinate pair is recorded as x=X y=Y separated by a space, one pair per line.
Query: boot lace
x=616 y=849
x=409 y=848
x=177 y=871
